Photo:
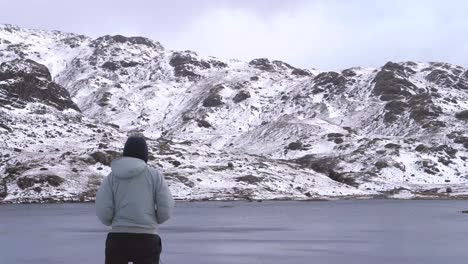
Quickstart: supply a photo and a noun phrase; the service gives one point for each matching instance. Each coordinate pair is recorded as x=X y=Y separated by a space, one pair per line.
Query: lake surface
x=372 y=231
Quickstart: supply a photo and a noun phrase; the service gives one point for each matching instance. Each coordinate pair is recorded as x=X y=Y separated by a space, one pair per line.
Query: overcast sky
x=328 y=35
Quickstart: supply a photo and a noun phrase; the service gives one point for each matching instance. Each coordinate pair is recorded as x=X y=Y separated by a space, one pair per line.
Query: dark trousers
x=122 y=248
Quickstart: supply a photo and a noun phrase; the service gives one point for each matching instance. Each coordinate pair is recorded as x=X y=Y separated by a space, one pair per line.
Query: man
x=134 y=198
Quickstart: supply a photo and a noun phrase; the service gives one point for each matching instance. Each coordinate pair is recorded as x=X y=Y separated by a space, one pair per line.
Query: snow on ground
x=228 y=129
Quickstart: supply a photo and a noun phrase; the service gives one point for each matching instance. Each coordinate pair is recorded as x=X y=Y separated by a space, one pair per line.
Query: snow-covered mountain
x=224 y=129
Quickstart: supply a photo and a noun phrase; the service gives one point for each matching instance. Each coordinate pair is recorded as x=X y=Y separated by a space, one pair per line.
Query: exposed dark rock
x=24 y=183
x=105 y=157
x=122 y=39
x=262 y=64
x=32 y=84
x=282 y=65
x=386 y=83
x=176 y=163
x=241 y=96
x=391 y=81
x=184 y=64
x=300 y=72
x=421 y=148
x=181 y=59
x=390 y=117
x=434 y=124
x=254 y=78
x=3 y=189
x=342 y=178
x=396 y=107
x=214 y=99
x=111 y=65
x=203 y=123
x=348 y=73
x=463 y=115
x=318 y=164
x=16 y=169
x=295 y=145
x=186 y=71
x=334 y=135
x=330 y=82
x=392 y=146
x=381 y=164
x=441 y=77
x=104 y=99
x=422 y=107
x=338 y=140
x=144 y=41
x=448 y=190
x=217 y=64
x=250 y=179
x=74 y=41
x=400 y=69
x=240 y=85
x=127 y=64
x=51 y=180
x=460 y=139
x=7 y=128
x=23 y=68
x=186 y=181
x=327 y=166
x=4 y=41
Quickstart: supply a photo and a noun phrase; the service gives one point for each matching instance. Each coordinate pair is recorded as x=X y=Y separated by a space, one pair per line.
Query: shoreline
x=416 y=197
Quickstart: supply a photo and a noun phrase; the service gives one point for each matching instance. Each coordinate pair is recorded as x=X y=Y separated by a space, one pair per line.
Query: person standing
x=134 y=199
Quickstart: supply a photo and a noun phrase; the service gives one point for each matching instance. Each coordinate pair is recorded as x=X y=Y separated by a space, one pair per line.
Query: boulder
x=241 y=96
x=295 y=145
x=105 y=157
x=463 y=115
x=203 y=123
x=111 y=65
x=213 y=100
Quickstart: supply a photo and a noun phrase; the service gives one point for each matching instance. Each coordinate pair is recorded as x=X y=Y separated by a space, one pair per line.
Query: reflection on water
x=378 y=231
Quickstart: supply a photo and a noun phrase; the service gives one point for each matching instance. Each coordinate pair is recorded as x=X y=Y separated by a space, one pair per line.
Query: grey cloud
x=319 y=34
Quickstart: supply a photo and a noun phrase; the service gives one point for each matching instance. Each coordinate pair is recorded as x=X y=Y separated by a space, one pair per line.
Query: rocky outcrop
x=329 y=82
x=122 y=39
x=25 y=81
x=391 y=82
x=263 y=64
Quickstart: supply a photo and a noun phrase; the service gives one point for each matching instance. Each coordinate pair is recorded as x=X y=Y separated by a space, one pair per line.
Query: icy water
x=375 y=231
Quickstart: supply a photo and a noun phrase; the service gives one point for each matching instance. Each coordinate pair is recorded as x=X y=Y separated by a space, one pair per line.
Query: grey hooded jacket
x=133 y=198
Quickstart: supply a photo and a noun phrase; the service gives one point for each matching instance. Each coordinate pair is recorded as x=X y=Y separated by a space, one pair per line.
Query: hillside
x=223 y=128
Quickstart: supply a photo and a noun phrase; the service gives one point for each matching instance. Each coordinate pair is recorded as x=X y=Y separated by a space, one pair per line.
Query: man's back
x=136 y=194
x=134 y=198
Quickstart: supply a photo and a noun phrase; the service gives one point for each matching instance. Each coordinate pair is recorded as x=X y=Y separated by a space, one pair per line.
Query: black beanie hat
x=136 y=147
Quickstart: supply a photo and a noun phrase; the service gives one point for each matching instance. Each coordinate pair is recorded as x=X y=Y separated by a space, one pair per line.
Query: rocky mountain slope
x=224 y=129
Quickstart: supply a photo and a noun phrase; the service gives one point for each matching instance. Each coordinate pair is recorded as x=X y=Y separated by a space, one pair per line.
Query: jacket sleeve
x=105 y=202
x=163 y=200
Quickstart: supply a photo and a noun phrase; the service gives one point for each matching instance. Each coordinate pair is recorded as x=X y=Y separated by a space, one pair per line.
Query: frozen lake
x=374 y=231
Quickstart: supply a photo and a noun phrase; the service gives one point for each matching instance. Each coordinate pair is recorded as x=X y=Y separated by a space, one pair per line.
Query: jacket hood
x=127 y=167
